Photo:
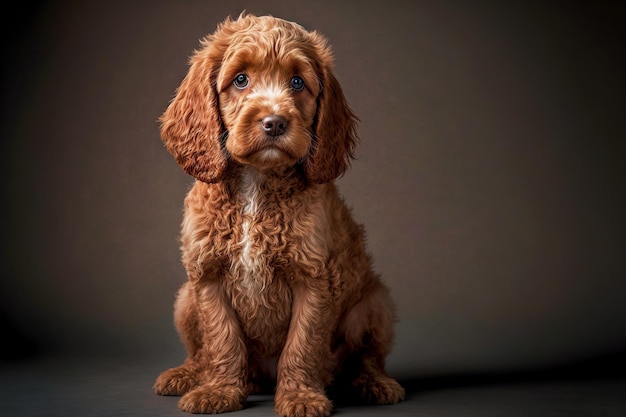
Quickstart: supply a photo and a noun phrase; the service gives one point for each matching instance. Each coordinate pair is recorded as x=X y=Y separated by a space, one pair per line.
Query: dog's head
x=260 y=91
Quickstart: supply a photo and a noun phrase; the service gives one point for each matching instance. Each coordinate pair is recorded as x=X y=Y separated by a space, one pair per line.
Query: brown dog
x=280 y=285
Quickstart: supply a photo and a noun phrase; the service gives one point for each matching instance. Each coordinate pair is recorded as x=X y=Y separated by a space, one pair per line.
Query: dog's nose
x=274 y=125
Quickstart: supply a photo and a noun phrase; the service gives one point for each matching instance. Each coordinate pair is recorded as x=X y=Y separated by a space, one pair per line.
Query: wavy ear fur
x=335 y=128
x=191 y=127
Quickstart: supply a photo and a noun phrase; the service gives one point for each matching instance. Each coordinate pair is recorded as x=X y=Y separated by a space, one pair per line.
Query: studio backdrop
x=489 y=175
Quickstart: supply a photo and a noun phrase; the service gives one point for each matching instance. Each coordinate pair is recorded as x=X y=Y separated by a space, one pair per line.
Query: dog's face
x=268 y=89
x=260 y=92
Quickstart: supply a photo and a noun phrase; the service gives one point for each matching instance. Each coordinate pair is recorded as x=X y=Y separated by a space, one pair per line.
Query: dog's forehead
x=270 y=52
x=261 y=45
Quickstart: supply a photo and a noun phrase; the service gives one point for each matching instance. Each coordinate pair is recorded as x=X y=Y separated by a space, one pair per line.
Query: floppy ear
x=334 y=133
x=191 y=127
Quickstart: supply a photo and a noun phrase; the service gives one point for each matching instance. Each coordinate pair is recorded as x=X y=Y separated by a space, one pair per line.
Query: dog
x=281 y=291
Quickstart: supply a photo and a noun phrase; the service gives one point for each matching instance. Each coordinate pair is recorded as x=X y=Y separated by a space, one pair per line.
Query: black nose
x=274 y=125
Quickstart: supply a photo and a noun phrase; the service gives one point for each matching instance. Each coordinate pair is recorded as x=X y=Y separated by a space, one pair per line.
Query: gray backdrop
x=490 y=174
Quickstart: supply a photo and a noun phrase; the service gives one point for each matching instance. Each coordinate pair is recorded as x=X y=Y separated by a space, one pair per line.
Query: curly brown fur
x=280 y=285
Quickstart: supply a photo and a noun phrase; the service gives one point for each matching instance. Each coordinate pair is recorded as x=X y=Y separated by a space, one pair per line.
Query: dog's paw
x=209 y=399
x=379 y=389
x=303 y=404
x=175 y=381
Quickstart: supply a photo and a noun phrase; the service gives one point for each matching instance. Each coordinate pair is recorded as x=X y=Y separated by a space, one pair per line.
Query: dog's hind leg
x=369 y=335
x=179 y=380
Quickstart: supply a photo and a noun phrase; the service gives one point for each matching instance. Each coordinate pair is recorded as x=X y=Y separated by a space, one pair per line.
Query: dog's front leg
x=303 y=369
x=223 y=354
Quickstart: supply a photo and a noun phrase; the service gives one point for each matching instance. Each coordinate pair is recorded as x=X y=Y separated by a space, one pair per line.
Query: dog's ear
x=335 y=134
x=191 y=127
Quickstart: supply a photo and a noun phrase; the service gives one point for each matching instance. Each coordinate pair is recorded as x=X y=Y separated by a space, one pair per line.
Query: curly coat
x=280 y=285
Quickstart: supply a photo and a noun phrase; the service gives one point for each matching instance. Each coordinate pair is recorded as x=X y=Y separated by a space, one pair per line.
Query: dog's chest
x=278 y=234
x=258 y=276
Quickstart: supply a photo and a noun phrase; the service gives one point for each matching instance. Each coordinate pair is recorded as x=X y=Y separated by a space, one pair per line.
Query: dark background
x=490 y=176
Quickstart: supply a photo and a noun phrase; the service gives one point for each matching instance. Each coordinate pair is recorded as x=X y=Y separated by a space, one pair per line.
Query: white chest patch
x=251 y=266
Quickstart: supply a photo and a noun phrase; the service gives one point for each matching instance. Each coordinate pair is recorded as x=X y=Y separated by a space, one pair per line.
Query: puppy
x=280 y=286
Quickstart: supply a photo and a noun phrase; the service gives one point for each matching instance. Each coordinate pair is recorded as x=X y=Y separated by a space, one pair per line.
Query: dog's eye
x=241 y=81
x=297 y=83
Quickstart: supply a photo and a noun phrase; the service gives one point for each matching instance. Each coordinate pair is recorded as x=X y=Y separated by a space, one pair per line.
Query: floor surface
x=108 y=388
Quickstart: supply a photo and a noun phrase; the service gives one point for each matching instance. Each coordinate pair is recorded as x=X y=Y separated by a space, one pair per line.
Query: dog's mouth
x=272 y=153
x=266 y=150
x=269 y=152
